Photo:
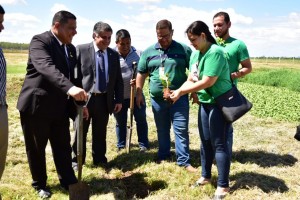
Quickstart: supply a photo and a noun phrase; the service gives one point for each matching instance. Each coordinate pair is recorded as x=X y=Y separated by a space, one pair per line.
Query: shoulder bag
x=233 y=104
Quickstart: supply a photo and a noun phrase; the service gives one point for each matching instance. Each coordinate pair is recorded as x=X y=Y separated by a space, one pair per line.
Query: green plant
x=165 y=80
x=220 y=41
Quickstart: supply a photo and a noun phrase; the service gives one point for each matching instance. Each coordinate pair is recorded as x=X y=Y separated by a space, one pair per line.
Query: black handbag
x=233 y=104
x=297 y=135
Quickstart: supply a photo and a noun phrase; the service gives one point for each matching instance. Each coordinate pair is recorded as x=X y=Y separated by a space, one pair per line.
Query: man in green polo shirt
x=237 y=54
x=165 y=62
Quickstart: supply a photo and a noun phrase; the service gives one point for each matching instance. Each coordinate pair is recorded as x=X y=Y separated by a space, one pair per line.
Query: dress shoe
x=191 y=169
x=44 y=193
x=143 y=149
x=201 y=182
x=221 y=194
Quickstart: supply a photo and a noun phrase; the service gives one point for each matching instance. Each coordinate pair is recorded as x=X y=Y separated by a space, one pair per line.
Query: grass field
x=265 y=162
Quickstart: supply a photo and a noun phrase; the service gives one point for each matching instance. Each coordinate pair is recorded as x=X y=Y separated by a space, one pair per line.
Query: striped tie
x=2 y=78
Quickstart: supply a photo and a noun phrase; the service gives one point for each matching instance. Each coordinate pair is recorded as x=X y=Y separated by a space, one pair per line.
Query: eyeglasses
x=104 y=37
x=164 y=36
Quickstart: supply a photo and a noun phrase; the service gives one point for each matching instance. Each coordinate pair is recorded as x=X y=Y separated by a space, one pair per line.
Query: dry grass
x=276 y=63
x=265 y=164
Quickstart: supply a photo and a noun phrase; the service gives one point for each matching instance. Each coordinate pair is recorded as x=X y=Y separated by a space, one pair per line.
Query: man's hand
x=139 y=100
x=132 y=82
x=117 y=108
x=195 y=99
x=85 y=113
x=78 y=93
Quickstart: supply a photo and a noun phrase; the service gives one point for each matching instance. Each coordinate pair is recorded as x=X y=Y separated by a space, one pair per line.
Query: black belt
x=98 y=94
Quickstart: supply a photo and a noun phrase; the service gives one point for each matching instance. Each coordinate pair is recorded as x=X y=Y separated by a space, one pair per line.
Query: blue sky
x=269 y=28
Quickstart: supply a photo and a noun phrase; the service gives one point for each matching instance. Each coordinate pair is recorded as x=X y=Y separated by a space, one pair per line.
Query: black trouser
x=37 y=131
x=99 y=115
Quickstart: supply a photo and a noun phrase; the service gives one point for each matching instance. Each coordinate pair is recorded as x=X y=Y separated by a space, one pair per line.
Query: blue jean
x=177 y=114
x=213 y=131
x=141 y=124
x=230 y=139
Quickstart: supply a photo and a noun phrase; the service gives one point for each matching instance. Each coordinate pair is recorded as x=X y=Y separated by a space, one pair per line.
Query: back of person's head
x=121 y=34
x=224 y=14
x=162 y=24
x=2 y=12
x=198 y=27
x=62 y=17
x=102 y=27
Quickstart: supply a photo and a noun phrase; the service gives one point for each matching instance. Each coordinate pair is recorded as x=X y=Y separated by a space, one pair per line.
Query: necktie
x=67 y=60
x=101 y=72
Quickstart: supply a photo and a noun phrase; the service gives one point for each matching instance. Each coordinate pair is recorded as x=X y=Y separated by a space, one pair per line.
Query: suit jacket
x=87 y=72
x=44 y=91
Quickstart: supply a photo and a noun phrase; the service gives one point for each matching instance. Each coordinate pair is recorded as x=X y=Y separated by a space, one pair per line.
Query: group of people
x=58 y=73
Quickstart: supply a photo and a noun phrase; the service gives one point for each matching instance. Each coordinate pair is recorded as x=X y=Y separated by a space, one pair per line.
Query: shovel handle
x=79 y=134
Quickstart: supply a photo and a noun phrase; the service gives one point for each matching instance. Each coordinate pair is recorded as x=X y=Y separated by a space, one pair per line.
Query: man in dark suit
x=48 y=87
x=106 y=92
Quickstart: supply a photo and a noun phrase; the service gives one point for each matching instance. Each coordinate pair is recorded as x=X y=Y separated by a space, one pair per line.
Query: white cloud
x=274 y=38
x=20 y=18
x=58 y=7
x=21 y=27
x=265 y=36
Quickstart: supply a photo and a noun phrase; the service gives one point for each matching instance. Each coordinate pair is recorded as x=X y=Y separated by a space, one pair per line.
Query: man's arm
x=246 y=69
x=140 y=80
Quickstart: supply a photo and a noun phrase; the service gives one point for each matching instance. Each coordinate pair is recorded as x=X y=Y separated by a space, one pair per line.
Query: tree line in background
x=14 y=46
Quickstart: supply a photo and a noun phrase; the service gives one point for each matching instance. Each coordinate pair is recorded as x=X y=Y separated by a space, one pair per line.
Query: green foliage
x=287 y=78
x=220 y=41
x=277 y=103
x=14 y=46
x=165 y=80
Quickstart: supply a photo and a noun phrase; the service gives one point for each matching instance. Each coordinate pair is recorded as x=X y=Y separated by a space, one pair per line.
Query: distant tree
x=14 y=46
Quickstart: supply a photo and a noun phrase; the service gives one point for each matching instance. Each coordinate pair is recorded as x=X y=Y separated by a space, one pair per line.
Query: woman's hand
x=175 y=95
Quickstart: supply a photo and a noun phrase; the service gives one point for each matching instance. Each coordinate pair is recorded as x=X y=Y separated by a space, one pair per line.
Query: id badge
x=161 y=71
x=194 y=72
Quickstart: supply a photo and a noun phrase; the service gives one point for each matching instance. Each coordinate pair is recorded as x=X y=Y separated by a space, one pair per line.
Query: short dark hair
x=101 y=27
x=224 y=14
x=198 y=27
x=162 y=24
x=2 y=10
x=121 y=34
x=62 y=17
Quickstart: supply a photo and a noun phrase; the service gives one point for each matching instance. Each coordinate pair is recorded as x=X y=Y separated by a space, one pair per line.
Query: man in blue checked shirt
x=128 y=54
x=3 y=105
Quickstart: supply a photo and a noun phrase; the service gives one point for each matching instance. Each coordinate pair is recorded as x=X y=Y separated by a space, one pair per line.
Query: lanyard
x=162 y=62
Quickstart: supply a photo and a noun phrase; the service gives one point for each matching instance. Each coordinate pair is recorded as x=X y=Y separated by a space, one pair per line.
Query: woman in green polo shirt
x=209 y=70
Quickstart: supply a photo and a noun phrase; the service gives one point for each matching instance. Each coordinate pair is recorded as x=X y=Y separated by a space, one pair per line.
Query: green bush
x=287 y=78
x=278 y=103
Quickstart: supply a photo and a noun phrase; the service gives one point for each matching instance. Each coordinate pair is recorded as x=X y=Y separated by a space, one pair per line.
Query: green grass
x=285 y=78
x=275 y=102
x=264 y=166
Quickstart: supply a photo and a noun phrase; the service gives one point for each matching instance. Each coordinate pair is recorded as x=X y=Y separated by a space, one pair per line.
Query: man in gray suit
x=100 y=72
